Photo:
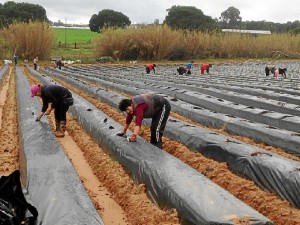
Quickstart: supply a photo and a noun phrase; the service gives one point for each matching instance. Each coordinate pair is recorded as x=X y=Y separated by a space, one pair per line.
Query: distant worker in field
x=183 y=71
x=55 y=98
x=150 y=67
x=188 y=67
x=282 y=71
x=59 y=64
x=146 y=106
x=205 y=67
x=35 y=61
x=15 y=59
x=270 y=69
x=276 y=74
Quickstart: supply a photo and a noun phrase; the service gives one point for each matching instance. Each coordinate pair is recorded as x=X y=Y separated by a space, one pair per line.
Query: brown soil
x=117 y=199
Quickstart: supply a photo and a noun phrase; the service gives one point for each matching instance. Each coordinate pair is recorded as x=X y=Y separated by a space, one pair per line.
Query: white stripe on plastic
x=159 y=123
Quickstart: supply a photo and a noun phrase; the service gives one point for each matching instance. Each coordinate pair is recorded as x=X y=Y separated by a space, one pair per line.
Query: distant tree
x=230 y=18
x=93 y=23
x=265 y=25
x=108 y=18
x=188 y=17
x=11 y=12
x=295 y=30
x=156 y=22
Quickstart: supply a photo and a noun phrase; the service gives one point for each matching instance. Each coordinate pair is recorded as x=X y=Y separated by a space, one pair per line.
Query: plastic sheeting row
x=271 y=171
x=169 y=181
x=261 y=132
x=47 y=174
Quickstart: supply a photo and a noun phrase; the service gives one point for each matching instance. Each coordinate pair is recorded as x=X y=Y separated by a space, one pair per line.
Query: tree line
x=178 y=17
x=11 y=12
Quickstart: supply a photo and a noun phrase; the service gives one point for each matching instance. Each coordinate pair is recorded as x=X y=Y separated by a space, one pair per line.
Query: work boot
x=62 y=128
x=58 y=132
x=61 y=132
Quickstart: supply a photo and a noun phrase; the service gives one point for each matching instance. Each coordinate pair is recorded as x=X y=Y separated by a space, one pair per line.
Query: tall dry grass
x=162 y=43
x=148 y=43
x=28 y=40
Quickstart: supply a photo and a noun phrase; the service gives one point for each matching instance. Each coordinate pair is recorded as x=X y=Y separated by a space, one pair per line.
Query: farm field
x=72 y=35
x=74 y=44
x=230 y=154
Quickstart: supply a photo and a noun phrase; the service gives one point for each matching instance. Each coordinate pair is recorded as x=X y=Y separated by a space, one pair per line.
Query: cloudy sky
x=146 y=11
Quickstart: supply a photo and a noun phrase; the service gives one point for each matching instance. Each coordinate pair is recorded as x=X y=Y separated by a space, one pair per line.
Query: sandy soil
x=112 y=190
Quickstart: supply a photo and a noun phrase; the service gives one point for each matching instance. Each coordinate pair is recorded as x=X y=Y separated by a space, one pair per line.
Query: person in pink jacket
x=276 y=74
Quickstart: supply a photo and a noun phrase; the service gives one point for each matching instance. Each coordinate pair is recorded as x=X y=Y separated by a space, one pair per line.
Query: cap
x=34 y=89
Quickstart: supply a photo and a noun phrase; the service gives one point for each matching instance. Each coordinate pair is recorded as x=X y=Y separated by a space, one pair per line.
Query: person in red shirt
x=205 y=67
x=150 y=67
x=146 y=106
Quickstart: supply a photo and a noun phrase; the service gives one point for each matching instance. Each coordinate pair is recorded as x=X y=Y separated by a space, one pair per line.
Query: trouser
x=267 y=70
x=158 y=124
x=147 y=69
x=60 y=112
x=35 y=66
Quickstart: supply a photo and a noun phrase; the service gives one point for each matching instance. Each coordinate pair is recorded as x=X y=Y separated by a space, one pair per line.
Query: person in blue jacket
x=188 y=67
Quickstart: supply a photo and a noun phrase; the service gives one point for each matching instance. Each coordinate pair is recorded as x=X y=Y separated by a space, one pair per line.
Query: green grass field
x=72 y=35
x=65 y=44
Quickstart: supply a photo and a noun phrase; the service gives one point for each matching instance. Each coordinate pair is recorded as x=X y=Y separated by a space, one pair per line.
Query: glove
x=123 y=133
x=132 y=138
x=37 y=118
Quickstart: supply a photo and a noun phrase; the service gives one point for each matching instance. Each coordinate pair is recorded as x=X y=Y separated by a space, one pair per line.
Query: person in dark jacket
x=282 y=71
x=55 y=98
x=59 y=64
x=146 y=106
x=181 y=70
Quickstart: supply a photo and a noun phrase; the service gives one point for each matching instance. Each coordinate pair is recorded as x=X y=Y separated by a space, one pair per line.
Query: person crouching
x=181 y=70
x=146 y=106
x=55 y=98
x=150 y=67
x=205 y=67
x=269 y=69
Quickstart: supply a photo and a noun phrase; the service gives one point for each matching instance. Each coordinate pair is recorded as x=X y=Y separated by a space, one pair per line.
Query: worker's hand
x=48 y=111
x=132 y=138
x=38 y=118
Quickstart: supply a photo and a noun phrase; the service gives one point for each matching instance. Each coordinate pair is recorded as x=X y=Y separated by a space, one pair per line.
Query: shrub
x=28 y=40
